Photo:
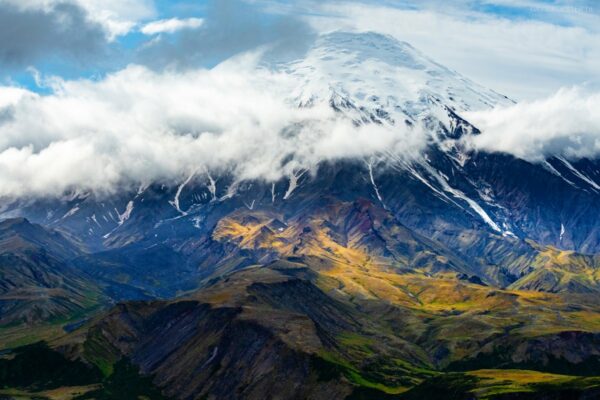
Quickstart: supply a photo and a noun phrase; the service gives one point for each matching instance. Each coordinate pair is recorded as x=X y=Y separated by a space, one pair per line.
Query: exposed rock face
x=566 y=352
x=36 y=282
x=290 y=330
x=195 y=350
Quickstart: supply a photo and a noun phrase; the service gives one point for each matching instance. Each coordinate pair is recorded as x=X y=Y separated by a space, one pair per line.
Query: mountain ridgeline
x=452 y=273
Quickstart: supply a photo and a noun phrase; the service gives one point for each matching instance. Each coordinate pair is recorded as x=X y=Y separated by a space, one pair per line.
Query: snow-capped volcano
x=352 y=95
x=376 y=78
x=377 y=86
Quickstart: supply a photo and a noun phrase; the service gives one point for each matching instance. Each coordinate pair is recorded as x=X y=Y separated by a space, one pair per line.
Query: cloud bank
x=138 y=126
x=566 y=124
x=167 y=117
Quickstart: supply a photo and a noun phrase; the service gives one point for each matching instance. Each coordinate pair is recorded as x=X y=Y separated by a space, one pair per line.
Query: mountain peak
x=16 y=225
x=377 y=78
x=372 y=46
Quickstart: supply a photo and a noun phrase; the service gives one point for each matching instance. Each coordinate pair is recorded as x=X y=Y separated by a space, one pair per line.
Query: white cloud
x=171 y=25
x=566 y=123
x=137 y=126
x=119 y=16
x=9 y=96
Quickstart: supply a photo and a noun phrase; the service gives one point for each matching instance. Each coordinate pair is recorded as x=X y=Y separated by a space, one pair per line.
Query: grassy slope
x=411 y=324
x=434 y=310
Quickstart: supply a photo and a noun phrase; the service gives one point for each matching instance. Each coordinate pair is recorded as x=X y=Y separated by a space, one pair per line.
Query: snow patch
x=460 y=195
x=71 y=212
x=175 y=201
x=294 y=178
x=211 y=358
x=126 y=214
x=142 y=189
x=197 y=221
x=212 y=187
x=96 y=220
x=231 y=191
x=273 y=193
x=553 y=170
x=370 y=166
x=579 y=174
x=122 y=218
